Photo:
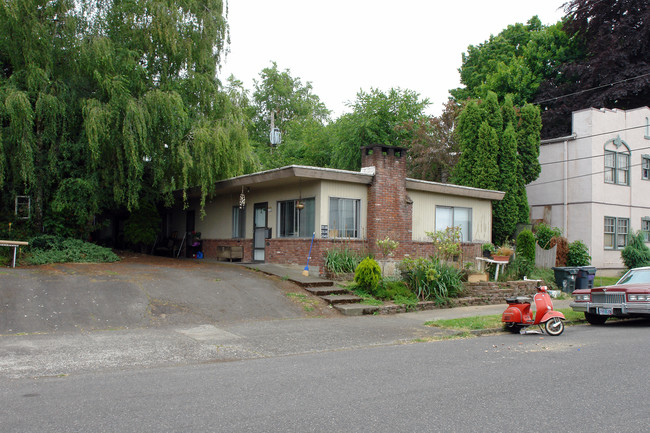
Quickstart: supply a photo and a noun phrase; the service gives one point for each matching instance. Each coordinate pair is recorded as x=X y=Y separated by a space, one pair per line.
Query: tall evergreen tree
x=485 y=172
x=469 y=122
x=506 y=211
x=505 y=160
x=528 y=138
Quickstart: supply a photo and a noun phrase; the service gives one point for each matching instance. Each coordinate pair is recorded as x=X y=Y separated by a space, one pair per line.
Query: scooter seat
x=519 y=300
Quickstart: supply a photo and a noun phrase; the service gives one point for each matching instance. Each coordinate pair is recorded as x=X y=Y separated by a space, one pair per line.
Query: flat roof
x=286 y=175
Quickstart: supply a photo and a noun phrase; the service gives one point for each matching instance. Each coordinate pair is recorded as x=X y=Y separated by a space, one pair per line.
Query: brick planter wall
x=495 y=292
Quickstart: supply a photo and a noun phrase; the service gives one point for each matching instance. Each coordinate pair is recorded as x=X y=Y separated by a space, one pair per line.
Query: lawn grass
x=491 y=322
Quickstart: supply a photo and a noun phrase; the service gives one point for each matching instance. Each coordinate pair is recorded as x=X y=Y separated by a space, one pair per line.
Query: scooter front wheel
x=554 y=326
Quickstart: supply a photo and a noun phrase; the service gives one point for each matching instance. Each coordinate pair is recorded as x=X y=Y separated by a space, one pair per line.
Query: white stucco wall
x=581 y=191
x=217 y=223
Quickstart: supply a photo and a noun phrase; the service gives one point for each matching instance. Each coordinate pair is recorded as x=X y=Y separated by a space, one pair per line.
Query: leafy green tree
x=515 y=61
x=433 y=146
x=376 y=119
x=118 y=101
x=294 y=109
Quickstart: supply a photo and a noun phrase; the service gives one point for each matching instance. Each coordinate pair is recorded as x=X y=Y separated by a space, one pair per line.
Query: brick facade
x=390 y=211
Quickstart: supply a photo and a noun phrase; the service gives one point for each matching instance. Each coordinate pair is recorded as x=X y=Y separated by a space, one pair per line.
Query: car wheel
x=554 y=327
x=595 y=319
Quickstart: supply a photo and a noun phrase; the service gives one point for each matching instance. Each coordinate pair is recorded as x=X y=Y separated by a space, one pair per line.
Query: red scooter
x=518 y=315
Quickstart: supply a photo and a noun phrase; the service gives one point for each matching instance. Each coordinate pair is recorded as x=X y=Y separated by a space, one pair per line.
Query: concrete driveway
x=142 y=291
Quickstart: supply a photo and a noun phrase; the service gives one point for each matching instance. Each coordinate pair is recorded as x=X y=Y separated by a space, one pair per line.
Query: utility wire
x=588 y=90
x=597 y=135
x=575 y=177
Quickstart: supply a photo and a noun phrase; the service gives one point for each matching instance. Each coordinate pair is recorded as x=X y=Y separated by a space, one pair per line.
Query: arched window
x=617 y=162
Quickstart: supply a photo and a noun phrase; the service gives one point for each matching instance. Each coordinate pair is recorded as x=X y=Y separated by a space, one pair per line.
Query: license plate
x=605 y=311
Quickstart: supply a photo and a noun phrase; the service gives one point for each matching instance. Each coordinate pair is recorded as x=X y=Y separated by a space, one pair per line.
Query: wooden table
x=14 y=245
x=499 y=263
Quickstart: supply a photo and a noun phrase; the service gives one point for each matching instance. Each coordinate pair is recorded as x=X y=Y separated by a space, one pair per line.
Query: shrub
x=46 y=249
x=431 y=279
x=447 y=242
x=342 y=261
x=526 y=245
x=392 y=290
x=544 y=233
x=368 y=275
x=578 y=254
x=561 y=251
x=142 y=226
x=519 y=268
x=636 y=253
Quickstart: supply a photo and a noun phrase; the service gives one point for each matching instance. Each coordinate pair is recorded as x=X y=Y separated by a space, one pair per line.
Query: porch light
x=300 y=205
x=242 y=199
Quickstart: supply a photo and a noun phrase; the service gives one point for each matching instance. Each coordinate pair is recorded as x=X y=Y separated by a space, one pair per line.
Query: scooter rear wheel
x=554 y=327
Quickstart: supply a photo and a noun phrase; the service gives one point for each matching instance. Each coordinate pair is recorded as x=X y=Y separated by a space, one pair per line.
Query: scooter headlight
x=583 y=298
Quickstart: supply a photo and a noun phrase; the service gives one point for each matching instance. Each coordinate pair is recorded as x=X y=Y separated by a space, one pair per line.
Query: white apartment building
x=595 y=183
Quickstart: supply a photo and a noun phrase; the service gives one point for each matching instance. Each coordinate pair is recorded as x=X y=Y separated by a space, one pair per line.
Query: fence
x=545 y=258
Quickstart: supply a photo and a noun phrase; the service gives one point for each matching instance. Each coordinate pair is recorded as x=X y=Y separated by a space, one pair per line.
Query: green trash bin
x=565 y=278
x=585 y=278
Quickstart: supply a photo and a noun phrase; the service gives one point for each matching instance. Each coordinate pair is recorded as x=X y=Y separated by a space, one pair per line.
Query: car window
x=636 y=277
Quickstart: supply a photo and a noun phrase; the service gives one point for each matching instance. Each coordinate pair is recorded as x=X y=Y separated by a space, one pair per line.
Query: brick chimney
x=389 y=209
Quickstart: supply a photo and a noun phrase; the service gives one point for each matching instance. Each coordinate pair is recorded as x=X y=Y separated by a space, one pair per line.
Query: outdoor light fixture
x=242 y=199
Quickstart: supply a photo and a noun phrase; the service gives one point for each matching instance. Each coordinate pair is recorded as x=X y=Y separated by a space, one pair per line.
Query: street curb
x=489 y=331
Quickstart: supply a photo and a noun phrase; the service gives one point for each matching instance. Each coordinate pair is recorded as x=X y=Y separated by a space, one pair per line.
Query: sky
x=343 y=46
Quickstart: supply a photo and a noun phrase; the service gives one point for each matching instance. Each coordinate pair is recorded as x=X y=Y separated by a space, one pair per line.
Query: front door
x=259 y=231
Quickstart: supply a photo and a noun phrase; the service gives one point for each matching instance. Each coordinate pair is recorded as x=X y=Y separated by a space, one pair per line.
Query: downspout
x=566 y=188
x=565 y=181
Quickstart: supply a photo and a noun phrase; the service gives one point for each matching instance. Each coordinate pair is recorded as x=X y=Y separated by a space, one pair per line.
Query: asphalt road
x=589 y=379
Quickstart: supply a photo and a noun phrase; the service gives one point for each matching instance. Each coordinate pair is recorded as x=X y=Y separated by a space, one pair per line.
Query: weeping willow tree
x=108 y=104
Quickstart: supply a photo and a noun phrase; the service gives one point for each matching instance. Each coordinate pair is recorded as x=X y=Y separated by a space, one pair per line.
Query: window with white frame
x=238 y=222
x=645 y=228
x=296 y=218
x=617 y=162
x=455 y=217
x=616 y=230
x=345 y=216
x=645 y=167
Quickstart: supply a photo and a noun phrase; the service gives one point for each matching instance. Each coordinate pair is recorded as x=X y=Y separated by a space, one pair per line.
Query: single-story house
x=595 y=183
x=272 y=215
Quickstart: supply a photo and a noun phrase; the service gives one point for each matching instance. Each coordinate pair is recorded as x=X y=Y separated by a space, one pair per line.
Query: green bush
x=391 y=290
x=342 y=261
x=636 y=253
x=526 y=245
x=518 y=268
x=368 y=275
x=544 y=233
x=142 y=226
x=431 y=279
x=46 y=249
x=578 y=254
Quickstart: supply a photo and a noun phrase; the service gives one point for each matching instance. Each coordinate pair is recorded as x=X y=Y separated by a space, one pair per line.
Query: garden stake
x=306 y=271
